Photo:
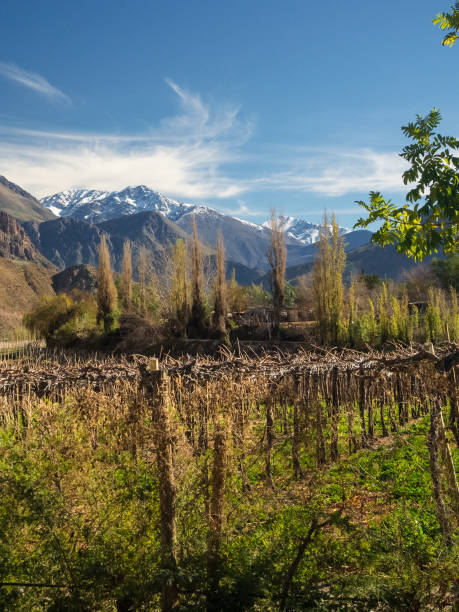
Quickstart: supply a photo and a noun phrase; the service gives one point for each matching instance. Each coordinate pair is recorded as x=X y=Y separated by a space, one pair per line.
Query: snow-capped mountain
x=301 y=230
x=96 y=206
x=66 y=200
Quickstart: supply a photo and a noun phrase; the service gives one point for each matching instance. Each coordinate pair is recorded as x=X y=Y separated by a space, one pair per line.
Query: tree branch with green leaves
x=450 y=22
x=429 y=221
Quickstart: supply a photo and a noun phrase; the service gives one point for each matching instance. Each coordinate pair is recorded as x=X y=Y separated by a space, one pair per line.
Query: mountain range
x=96 y=206
x=66 y=228
x=123 y=214
x=61 y=231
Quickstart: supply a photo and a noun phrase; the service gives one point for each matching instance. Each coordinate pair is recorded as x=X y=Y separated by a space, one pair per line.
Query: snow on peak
x=60 y=201
x=96 y=205
x=302 y=230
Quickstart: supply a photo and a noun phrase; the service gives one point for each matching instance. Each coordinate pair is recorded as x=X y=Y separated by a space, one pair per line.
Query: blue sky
x=243 y=105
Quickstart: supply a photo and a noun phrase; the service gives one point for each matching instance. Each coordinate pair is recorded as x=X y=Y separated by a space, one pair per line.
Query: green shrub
x=63 y=317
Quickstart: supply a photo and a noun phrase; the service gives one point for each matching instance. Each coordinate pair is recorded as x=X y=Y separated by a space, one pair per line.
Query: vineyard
x=318 y=480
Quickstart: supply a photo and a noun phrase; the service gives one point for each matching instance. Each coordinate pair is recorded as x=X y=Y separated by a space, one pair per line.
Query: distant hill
x=385 y=262
x=151 y=230
x=245 y=243
x=82 y=278
x=69 y=242
x=65 y=241
x=25 y=275
x=21 y=286
x=21 y=205
x=305 y=254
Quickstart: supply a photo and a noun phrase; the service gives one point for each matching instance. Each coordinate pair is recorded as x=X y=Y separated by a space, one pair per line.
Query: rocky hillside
x=81 y=278
x=25 y=275
x=15 y=243
x=69 y=242
x=20 y=204
x=65 y=241
x=21 y=286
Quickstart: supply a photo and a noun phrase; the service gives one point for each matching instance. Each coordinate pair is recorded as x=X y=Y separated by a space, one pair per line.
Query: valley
x=229 y=306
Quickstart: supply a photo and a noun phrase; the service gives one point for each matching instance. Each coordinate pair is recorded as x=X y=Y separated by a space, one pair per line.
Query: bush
x=63 y=317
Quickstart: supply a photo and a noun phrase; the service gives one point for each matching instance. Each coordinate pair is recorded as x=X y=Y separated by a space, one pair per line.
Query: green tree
x=277 y=258
x=327 y=283
x=220 y=289
x=430 y=219
x=450 y=22
x=179 y=293
x=198 y=316
x=126 y=277
x=290 y=295
x=142 y=272
x=106 y=290
x=447 y=271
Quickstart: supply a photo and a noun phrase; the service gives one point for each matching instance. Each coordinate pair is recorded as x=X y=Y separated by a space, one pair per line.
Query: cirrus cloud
x=335 y=172
x=183 y=156
x=198 y=153
x=32 y=80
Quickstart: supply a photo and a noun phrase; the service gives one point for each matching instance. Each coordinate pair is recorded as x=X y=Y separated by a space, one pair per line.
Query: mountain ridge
x=20 y=204
x=98 y=206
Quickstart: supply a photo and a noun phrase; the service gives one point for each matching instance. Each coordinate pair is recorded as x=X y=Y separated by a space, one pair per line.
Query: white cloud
x=182 y=157
x=243 y=210
x=184 y=171
x=191 y=155
x=32 y=80
x=335 y=173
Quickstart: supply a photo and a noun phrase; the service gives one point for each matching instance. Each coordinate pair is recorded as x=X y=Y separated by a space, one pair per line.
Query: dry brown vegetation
x=22 y=285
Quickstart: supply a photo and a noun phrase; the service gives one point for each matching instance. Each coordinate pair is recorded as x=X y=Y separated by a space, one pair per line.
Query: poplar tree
x=327 y=280
x=220 y=288
x=198 y=312
x=179 y=294
x=126 y=277
x=106 y=290
x=142 y=273
x=277 y=258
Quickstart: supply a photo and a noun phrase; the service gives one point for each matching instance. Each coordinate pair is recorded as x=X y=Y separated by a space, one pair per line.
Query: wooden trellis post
x=155 y=383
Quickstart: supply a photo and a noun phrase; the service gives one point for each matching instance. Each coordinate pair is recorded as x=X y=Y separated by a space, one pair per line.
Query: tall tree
x=327 y=280
x=430 y=219
x=220 y=288
x=126 y=277
x=179 y=294
x=106 y=290
x=277 y=258
x=198 y=311
x=142 y=273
